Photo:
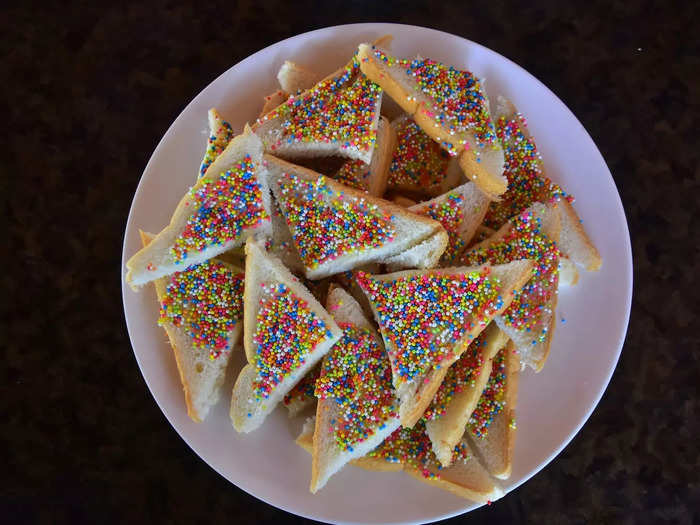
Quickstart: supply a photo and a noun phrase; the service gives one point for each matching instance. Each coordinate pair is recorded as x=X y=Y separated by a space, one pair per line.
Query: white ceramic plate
x=553 y=405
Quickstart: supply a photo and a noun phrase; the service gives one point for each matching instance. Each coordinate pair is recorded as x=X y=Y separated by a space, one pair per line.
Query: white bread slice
x=530 y=320
x=347 y=125
x=273 y=100
x=528 y=183
x=285 y=333
x=371 y=178
x=419 y=164
x=301 y=397
x=357 y=407
x=202 y=376
x=280 y=244
x=568 y=273
x=492 y=435
x=455 y=400
x=465 y=478
x=449 y=307
x=460 y=211
x=249 y=190
x=220 y=134
x=358 y=228
x=431 y=249
x=460 y=122
x=294 y=78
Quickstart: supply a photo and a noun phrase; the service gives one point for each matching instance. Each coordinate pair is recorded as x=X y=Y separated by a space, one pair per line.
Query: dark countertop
x=89 y=90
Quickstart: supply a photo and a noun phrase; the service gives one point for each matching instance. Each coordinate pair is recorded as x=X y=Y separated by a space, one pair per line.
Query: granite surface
x=87 y=91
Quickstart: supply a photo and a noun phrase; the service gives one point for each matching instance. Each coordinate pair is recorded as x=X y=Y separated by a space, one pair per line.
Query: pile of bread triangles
x=388 y=250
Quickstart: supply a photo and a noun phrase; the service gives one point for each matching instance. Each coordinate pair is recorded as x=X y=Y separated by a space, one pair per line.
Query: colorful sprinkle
x=327 y=224
x=216 y=143
x=354 y=173
x=412 y=447
x=460 y=376
x=492 y=399
x=523 y=169
x=448 y=211
x=303 y=391
x=207 y=301
x=424 y=317
x=287 y=331
x=357 y=375
x=457 y=99
x=525 y=240
x=340 y=110
x=418 y=160
x=226 y=206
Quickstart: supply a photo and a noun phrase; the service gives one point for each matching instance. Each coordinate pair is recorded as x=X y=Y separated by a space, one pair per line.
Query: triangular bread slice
x=455 y=400
x=336 y=228
x=449 y=105
x=529 y=321
x=418 y=163
x=294 y=78
x=409 y=450
x=528 y=183
x=429 y=317
x=492 y=427
x=220 y=134
x=460 y=211
x=357 y=406
x=337 y=116
x=228 y=204
x=285 y=333
x=202 y=333
x=371 y=178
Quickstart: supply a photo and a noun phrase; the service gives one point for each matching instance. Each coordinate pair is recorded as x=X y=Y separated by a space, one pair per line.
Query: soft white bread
x=202 y=377
x=158 y=259
x=568 y=273
x=460 y=391
x=530 y=234
x=285 y=333
x=294 y=78
x=494 y=443
x=465 y=478
x=220 y=134
x=347 y=126
x=434 y=295
x=371 y=178
x=280 y=244
x=363 y=229
x=273 y=100
x=575 y=242
x=426 y=254
x=460 y=211
x=419 y=165
x=468 y=133
x=359 y=359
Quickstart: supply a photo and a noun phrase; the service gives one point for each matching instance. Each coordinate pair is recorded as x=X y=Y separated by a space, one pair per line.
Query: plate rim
x=370 y=26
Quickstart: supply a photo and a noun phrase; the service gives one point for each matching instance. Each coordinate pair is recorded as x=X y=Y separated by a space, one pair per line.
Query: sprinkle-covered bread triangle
x=460 y=211
x=220 y=134
x=419 y=164
x=336 y=228
x=491 y=428
x=371 y=178
x=528 y=184
x=337 y=116
x=449 y=104
x=529 y=320
x=449 y=411
x=201 y=310
x=409 y=450
x=228 y=204
x=428 y=318
x=357 y=407
x=285 y=333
